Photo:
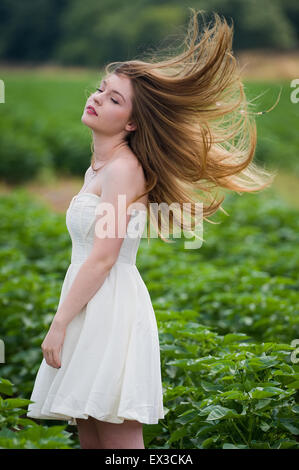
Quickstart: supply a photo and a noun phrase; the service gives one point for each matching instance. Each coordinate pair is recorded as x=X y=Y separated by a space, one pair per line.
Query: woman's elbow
x=104 y=262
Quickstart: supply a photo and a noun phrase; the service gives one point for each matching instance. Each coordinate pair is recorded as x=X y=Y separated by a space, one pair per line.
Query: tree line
x=93 y=32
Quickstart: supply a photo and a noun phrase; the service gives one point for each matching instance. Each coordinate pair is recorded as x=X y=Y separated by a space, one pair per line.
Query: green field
x=227 y=313
x=40 y=124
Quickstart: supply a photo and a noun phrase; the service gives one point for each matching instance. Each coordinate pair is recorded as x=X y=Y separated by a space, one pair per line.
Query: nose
x=96 y=99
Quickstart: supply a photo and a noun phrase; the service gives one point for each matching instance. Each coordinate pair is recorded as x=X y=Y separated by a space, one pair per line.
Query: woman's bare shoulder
x=131 y=162
x=88 y=173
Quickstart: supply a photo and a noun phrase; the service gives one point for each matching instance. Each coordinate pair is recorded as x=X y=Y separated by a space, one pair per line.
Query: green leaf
x=234 y=337
x=187 y=416
x=7 y=433
x=177 y=434
x=233 y=395
x=293 y=385
x=11 y=403
x=6 y=387
x=208 y=386
x=206 y=443
x=262 y=403
x=228 y=445
x=219 y=412
x=264 y=426
x=264 y=392
x=295 y=408
x=289 y=425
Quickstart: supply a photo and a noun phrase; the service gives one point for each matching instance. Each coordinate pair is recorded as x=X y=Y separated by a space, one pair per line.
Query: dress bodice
x=80 y=222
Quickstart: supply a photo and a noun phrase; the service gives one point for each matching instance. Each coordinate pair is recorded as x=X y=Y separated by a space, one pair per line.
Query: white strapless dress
x=110 y=359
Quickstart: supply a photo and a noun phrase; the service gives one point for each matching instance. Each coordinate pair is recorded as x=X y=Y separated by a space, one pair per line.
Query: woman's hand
x=52 y=344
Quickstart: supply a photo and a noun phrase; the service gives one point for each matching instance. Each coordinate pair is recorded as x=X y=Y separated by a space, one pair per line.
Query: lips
x=91 y=108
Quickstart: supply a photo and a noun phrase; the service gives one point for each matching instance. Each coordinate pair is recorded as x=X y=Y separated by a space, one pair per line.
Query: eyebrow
x=115 y=91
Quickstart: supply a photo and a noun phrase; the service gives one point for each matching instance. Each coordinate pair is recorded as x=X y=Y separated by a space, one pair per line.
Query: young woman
x=157 y=130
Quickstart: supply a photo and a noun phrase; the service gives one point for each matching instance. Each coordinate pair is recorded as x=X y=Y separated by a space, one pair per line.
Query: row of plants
x=227 y=315
x=40 y=125
x=19 y=432
x=244 y=278
x=41 y=128
x=218 y=391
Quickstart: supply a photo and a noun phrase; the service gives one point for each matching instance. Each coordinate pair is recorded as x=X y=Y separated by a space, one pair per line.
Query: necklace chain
x=95 y=170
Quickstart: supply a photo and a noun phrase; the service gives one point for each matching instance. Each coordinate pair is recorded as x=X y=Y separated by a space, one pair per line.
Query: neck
x=106 y=148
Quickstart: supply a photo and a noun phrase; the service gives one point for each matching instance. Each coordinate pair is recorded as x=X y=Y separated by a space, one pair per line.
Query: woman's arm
x=120 y=180
x=87 y=282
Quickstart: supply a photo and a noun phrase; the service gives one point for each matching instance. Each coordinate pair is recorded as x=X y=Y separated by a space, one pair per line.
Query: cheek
x=118 y=113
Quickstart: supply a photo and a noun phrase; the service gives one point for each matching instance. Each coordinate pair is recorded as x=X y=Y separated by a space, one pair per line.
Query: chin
x=86 y=121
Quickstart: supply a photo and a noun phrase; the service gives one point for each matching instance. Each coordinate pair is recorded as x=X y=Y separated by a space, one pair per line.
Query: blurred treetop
x=94 y=32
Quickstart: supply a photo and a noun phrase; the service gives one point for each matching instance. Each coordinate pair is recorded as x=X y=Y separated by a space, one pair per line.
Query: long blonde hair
x=194 y=130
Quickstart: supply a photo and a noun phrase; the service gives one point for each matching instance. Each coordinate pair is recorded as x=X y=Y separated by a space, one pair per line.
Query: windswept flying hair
x=195 y=132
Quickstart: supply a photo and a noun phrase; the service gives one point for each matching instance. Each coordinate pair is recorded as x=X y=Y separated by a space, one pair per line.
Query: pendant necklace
x=94 y=172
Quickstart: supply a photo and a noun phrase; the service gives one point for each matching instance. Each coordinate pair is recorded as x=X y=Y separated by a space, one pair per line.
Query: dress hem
x=63 y=411
x=70 y=416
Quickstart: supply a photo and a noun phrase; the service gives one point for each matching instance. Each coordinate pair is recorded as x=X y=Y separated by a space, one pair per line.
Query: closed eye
x=116 y=102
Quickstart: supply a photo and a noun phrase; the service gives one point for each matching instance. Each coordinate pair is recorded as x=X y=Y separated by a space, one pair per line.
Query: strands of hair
x=195 y=131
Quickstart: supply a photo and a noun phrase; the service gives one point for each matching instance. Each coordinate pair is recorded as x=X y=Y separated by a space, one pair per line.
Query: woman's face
x=112 y=102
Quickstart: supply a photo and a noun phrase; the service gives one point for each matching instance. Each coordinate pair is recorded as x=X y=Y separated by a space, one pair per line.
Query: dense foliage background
x=40 y=122
x=227 y=315
x=93 y=32
x=228 y=312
